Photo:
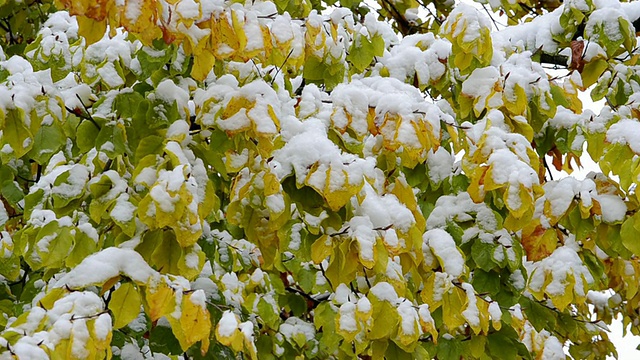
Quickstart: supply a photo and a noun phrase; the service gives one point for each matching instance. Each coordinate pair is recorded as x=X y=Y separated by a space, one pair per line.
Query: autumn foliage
x=317 y=179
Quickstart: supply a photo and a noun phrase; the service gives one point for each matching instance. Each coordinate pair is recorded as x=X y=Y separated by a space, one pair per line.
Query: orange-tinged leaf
x=539 y=243
x=109 y=284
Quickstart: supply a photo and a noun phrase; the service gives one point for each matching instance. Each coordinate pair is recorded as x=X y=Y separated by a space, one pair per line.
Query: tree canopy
x=317 y=179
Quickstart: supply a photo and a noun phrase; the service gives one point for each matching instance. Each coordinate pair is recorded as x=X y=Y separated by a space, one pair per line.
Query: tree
x=316 y=179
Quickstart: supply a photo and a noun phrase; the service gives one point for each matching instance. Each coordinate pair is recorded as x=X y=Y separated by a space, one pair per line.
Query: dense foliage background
x=316 y=179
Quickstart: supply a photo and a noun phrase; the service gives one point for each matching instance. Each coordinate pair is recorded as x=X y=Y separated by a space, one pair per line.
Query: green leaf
x=449 y=349
x=486 y=281
x=162 y=340
x=86 y=136
x=148 y=145
x=112 y=140
x=394 y=352
x=482 y=255
x=83 y=246
x=48 y=140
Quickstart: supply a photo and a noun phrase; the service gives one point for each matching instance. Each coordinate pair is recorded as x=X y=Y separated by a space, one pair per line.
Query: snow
x=599 y=299
x=361 y=229
x=363 y=305
x=228 y=324
x=550 y=274
x=106 y=264
x=625 y=132
x=606 y=18
x=471 y=313
x=461 y=208
x=179 y=131
x=304 y=151
x=312 y=146
x=342 y=294
x=466 y=21
x=481 y=85
x=553 y=348
x=123 y=210
x=385 y=210
x=294 y=326
x=440 y=164
x=408 y=318
x=233 y=288
x=347 y=316
x=444 y=248
x=613 y=208
x=199 y=298
x=6 y=245
x=246 y=328
x=384 y=291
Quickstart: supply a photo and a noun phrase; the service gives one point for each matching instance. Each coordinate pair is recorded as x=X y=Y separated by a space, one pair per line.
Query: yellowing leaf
x=51 y=297
x=453 y=303
x=195 y=320
x=15 y=133
x=160 y=301
x=91 y=29
x=202 y=65
x=385 y=319
x=125 y=304
x=592 y=72
x=321 y=249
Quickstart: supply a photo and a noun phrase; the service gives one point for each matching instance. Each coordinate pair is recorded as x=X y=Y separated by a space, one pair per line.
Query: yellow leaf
x=160 y=301
x=51 y=297
x=102 y=344
x=60 y=352
x=195 y=320
x=338 y=197
x=202 y=65
x=238 y=28
x=271 y=184
x=563 y=299
x=187 y=266
x=144 y=25
x=347 y=324
x=125 y=305
x=405 y=195
x=91 y=29
x=228 y=39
